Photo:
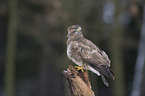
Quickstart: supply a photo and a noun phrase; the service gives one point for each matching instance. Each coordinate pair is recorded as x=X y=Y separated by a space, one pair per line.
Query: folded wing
x=96 y=58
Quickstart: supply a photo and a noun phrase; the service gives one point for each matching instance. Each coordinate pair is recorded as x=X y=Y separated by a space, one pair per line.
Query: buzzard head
x=74 y=31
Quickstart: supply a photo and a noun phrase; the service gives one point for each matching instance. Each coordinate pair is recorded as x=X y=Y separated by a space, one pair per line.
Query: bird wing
x=90 y=52
x=95 y=58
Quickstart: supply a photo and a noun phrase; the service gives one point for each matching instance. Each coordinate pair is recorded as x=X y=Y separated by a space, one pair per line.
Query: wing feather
x=90 y=51
x=95 y=57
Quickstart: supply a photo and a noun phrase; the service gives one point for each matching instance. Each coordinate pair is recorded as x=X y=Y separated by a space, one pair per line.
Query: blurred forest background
x=33 y=44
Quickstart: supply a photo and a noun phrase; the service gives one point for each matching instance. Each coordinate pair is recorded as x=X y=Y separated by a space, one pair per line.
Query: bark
x=79 y=84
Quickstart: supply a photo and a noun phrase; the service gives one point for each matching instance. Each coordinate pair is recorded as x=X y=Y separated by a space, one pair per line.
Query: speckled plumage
x=85 y=53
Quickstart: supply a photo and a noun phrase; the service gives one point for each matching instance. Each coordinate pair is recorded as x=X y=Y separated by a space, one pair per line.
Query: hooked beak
x=79 y=29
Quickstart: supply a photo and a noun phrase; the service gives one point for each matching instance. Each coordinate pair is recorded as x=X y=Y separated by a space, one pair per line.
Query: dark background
x=33 y=35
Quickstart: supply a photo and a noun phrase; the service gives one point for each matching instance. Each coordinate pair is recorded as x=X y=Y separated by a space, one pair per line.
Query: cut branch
x=79 y=84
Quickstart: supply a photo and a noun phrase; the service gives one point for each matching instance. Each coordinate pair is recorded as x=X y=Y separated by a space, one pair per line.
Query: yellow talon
x=79 y=68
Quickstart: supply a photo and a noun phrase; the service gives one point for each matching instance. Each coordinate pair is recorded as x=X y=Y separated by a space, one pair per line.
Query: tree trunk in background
x=119 y=87
x=10 y=49
x=118 y=68
x=138 y=85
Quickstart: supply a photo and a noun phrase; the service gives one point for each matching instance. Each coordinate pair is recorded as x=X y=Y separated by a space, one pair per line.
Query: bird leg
x=79 y=68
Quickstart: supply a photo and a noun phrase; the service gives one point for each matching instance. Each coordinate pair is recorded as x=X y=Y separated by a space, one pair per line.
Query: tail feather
x=104 y=70
x=104 y=80
x=107 y=71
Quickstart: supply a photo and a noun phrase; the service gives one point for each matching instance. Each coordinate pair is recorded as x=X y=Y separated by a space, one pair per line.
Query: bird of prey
x=87 y=55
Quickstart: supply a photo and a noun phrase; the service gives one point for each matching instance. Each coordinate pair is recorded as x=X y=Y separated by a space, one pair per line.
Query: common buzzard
x=86 y=54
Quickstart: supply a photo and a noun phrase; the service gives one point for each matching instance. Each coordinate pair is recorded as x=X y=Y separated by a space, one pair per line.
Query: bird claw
x=79 y=68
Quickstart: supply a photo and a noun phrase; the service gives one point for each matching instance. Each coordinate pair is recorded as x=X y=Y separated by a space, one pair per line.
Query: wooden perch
x=79 y=84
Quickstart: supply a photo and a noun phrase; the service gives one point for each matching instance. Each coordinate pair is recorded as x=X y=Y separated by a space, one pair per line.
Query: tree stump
x=79 y=84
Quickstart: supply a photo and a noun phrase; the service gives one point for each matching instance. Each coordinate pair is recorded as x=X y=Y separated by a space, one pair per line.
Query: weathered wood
x=79 y=84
